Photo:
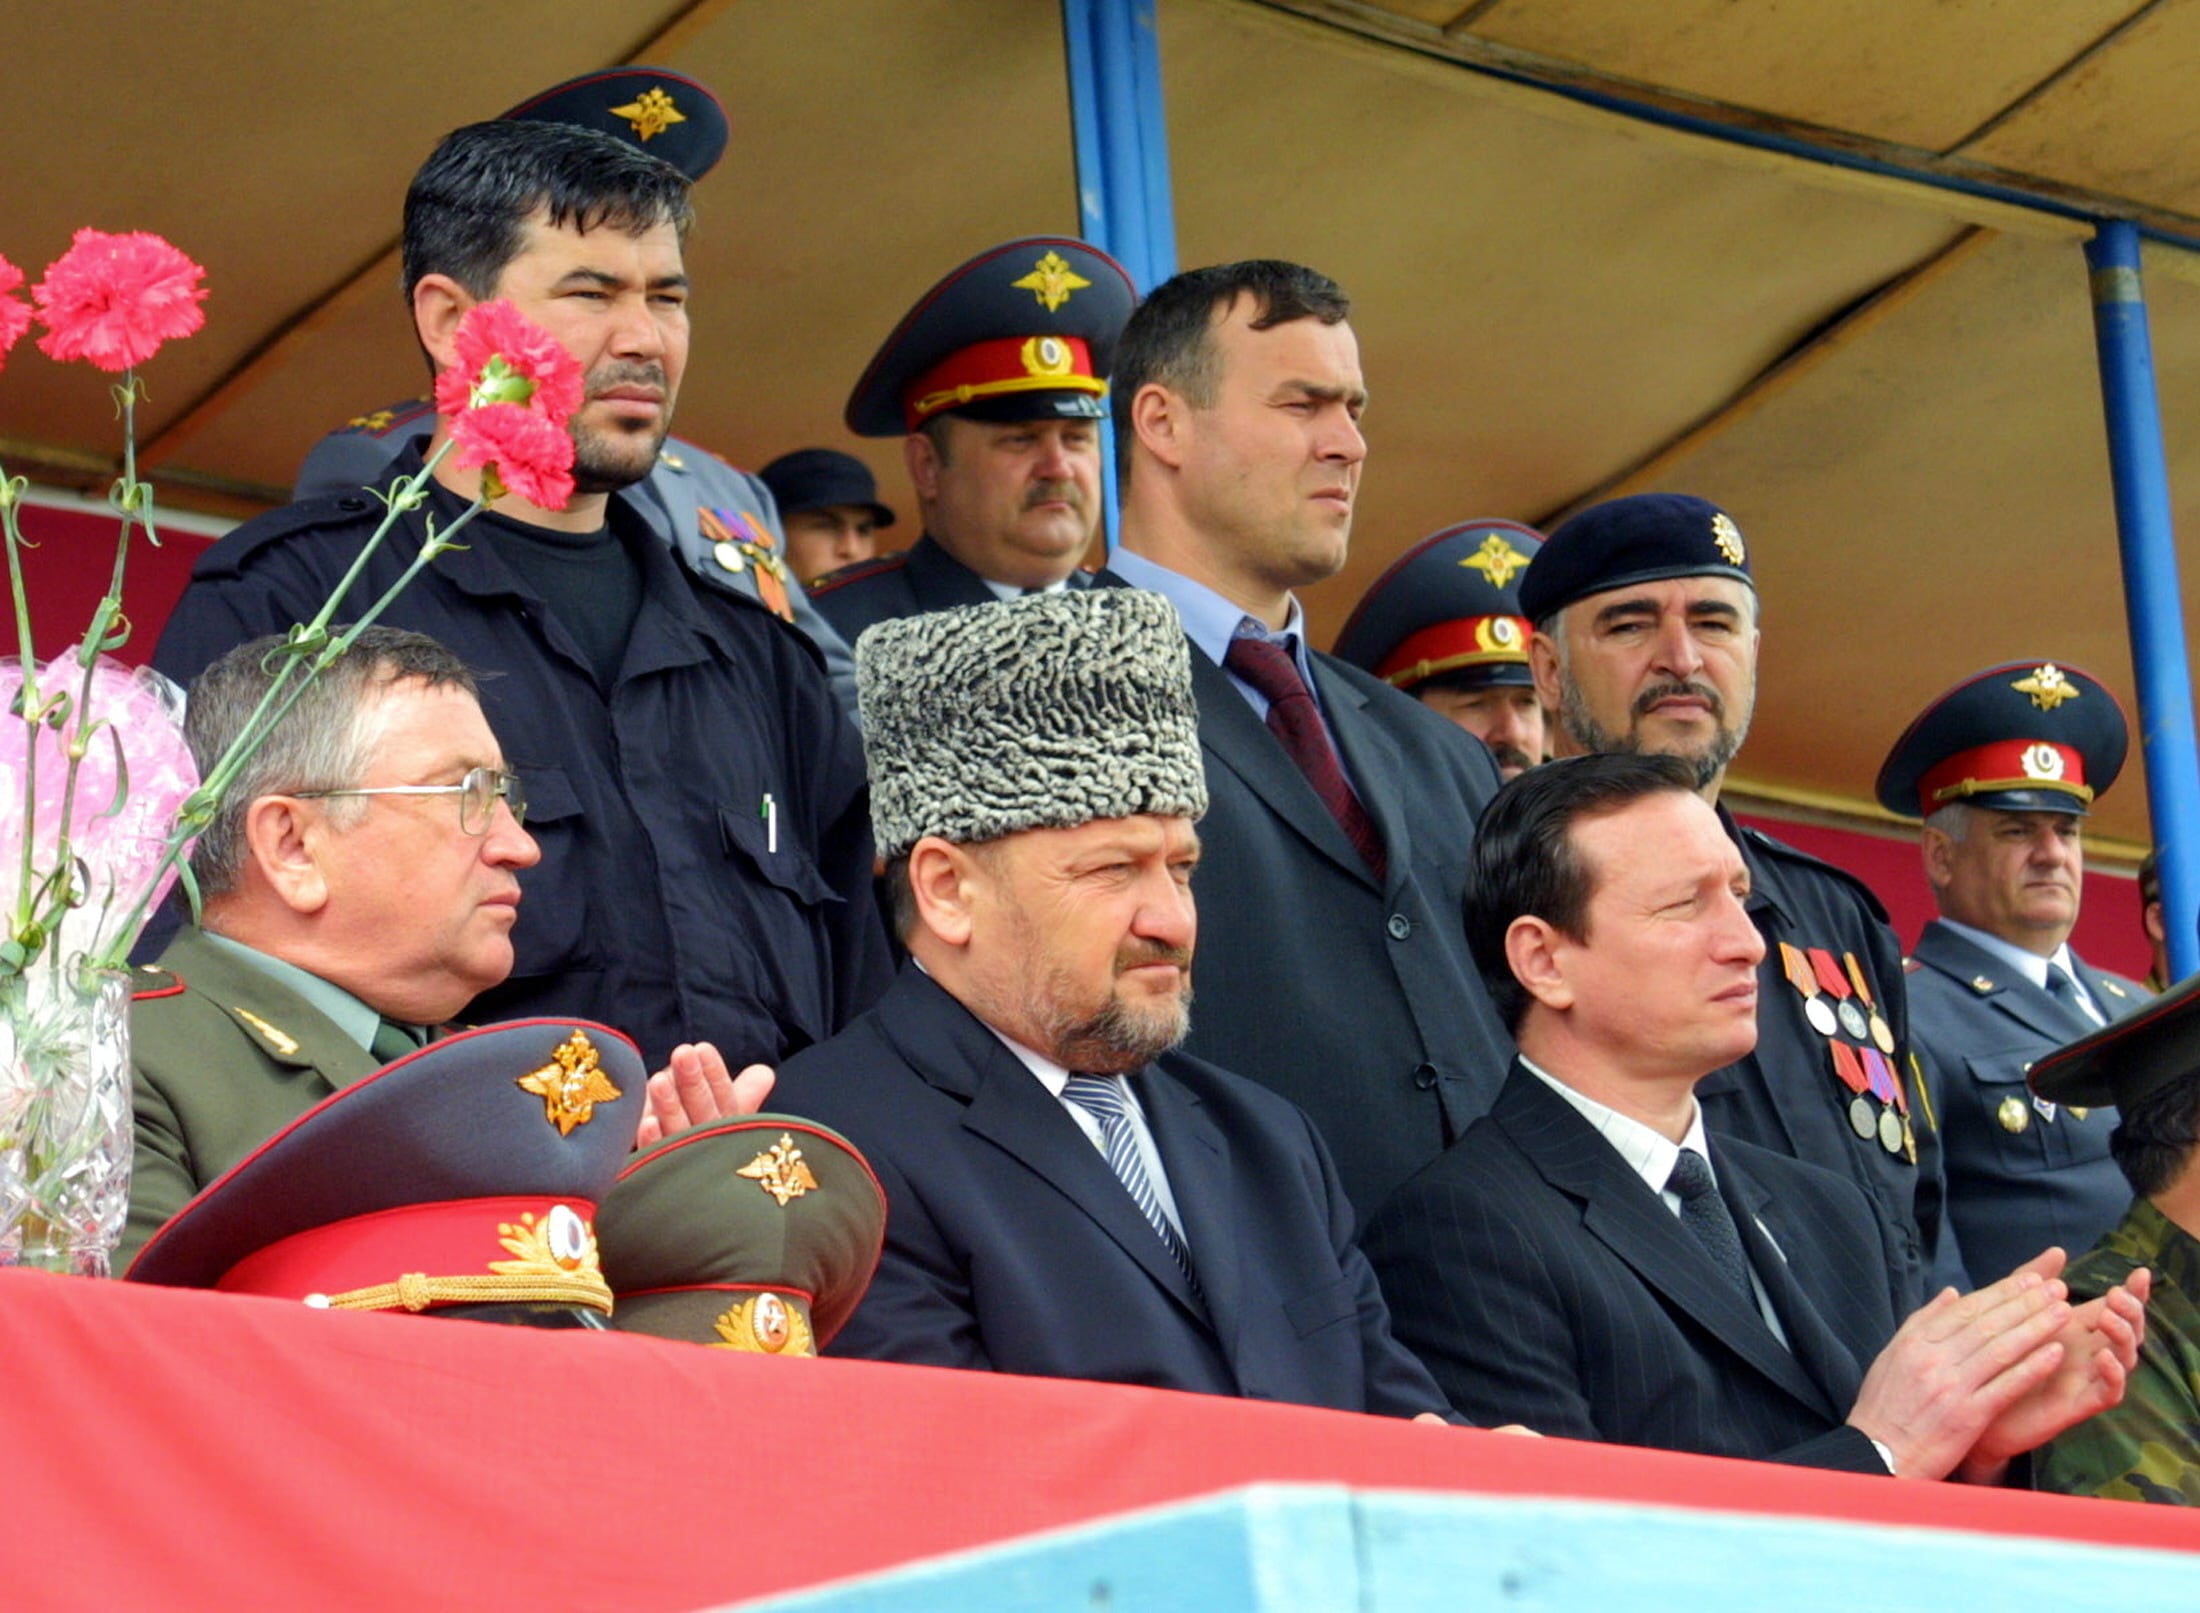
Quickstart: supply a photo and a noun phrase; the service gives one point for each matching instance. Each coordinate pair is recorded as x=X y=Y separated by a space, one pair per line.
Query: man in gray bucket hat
x=1069 y=1196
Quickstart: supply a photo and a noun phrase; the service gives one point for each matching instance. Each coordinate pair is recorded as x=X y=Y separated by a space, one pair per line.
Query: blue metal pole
x=2152 y=602
x=1121 y=139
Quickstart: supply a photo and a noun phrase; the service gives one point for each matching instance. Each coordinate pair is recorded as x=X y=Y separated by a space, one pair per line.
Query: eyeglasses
x=478 y=793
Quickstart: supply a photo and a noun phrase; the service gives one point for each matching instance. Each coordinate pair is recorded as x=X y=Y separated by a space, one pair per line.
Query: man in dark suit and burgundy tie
x=1341 y=809
x=1589 y=1261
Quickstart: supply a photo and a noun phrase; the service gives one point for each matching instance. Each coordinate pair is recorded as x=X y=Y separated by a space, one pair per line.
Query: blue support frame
x=2153 y=605
x=1122 y=144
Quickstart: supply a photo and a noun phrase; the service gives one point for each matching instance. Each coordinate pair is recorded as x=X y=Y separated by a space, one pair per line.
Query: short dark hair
x=481 y=184
x=320 y=743
x=2155 y=1135
x=1525 y=863
x=1170 y=335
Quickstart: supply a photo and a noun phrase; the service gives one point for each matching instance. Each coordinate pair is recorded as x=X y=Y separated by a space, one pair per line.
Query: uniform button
x=1399 y=926
x=353 y=503
x=1424 y=1076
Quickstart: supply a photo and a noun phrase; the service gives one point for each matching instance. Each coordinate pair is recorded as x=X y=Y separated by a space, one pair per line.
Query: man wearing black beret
x=1646 y=640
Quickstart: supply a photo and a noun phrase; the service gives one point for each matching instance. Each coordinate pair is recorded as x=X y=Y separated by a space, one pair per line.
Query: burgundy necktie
x=1296 y=721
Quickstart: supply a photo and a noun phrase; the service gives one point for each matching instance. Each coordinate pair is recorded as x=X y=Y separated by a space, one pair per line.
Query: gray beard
x=1591 y=736
x=1116 y=1040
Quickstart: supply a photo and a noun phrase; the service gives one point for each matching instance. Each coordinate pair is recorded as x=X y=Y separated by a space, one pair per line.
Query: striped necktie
x=1105 y=1099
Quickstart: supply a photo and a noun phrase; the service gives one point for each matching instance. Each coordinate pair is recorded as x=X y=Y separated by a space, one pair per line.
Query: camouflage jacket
x=2148 y=1448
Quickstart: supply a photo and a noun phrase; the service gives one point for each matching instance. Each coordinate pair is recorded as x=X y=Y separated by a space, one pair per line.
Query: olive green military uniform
x=2148 y=1448
x=224 y=1057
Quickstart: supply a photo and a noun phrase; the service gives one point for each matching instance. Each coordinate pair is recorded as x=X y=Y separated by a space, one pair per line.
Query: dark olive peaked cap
x=1451 y=603
x=755 y=1234
x=666 y=114
x=1041 y=713
x=2149 y=1048
x=2025 y=736
x=1645 y=537
x=377 y=1181
x=1025 y=331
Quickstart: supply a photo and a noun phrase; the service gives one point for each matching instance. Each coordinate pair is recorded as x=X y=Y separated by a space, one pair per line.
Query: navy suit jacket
x=1011 y=1245
x=1979 y=1025
x=1544 y=1282
x=1356 y=999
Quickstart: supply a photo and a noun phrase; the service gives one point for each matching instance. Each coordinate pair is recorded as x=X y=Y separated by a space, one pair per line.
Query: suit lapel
x=1241 y=742
x=1827 y=1361
x=1621 y=1212
x=1371 y=760
x=1208 y=1203
x=951 y=1049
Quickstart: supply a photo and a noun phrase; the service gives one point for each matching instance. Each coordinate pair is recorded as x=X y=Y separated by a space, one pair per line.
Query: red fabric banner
x=175 y=1449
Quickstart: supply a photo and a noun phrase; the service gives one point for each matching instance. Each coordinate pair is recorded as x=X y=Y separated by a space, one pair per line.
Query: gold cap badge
x=1047 y=355
x=1052 y=281
x=766 y=1325
x=571 y=1084
x=651 y=113
x=1728 y=537
x=781 y=1171
x=1497 y=560
x=2047 y=686
x=2042 y=761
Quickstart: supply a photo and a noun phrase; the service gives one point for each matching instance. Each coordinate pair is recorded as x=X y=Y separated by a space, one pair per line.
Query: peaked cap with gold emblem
x=467 y=1173
x=1026 y=331
x=753 y=1234
x=1644 y=537
x=2026 y=736
x=1451 y=603
x=667 y=114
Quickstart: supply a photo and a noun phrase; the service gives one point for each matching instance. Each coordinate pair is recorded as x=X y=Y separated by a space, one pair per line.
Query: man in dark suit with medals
x=996 y=381
x=2002 y=768
x=1595 y=1261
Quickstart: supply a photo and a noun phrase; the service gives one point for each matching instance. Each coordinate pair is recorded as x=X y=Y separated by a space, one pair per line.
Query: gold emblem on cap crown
x=651 y=113
x=571 y=1084
x=767 y=1325
x=781 y=1171
x=2048 y=686
x=1497 y=560
x=1052 y=281
x=1047 y=355
x=1728 y=537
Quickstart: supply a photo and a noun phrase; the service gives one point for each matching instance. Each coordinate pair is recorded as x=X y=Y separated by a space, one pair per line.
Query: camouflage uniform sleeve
x=2147 y=1448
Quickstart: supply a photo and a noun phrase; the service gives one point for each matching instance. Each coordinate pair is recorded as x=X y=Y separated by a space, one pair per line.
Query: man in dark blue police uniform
x=720 y=521
x=1646 y=640
x=1444 y=624
x=996 y=380
x=2002 y=768
x=697 y=794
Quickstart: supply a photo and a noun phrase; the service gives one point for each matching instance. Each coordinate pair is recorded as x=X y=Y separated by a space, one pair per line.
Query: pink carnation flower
x=112 y=300
x=15 y=313
x=507 y=400
x=532 y=455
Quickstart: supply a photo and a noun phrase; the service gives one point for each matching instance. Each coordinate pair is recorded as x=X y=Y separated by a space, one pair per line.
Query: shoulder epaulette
x=150 y=982
x=877 y=566
x=389 y=420
x=1781 y=850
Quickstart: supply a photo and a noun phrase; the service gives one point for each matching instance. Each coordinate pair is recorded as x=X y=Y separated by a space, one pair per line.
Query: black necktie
x=1704 y=1213
x=2065 y=992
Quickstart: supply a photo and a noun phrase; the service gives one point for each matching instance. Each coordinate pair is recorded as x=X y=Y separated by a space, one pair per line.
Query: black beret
x=668 y=115
x=1645 y=537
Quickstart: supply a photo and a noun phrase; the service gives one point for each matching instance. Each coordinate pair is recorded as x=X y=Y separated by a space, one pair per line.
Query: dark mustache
x=1133 y=957
x=611 y=375
x=1055 y=493
x=1666 y=691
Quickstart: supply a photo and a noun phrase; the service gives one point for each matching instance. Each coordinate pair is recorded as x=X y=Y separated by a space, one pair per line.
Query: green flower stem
x=27 y=700
x=309 y=648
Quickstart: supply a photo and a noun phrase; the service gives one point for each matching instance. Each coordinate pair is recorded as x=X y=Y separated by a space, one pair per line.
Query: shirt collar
x=1649 y=1154
x=338 y=1006
x=2029 y=964
x=1210 y=621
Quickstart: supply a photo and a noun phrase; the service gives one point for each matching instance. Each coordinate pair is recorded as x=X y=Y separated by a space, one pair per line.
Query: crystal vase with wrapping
x=93 y=800
x=65 y=1138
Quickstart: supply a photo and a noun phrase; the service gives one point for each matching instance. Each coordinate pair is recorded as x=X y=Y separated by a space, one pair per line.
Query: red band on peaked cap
x=454 y=1239
x=2007 y=764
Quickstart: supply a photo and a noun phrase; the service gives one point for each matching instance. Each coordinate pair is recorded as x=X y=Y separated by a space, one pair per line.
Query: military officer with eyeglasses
x=360 y=886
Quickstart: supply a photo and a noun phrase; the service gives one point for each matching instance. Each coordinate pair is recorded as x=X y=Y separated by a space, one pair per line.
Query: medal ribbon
x=1849 y=1068
x=1830 y=975
x=1798 y=970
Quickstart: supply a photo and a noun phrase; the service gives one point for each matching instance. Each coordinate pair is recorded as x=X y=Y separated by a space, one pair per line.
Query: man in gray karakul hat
x=1067 y=1195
